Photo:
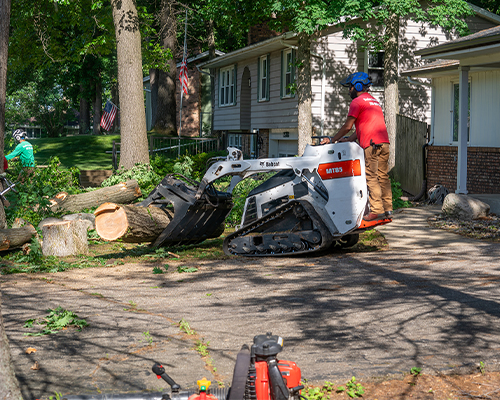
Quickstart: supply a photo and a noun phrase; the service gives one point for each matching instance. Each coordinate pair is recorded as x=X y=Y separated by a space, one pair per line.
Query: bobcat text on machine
x=311 y=203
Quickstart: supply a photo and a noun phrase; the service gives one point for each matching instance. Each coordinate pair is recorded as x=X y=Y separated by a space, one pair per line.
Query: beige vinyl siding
x=277 y=112
x=484 y=108
x=485 y=98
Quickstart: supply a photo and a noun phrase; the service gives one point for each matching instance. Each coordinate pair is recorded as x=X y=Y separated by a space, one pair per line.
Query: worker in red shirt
x=365 y=113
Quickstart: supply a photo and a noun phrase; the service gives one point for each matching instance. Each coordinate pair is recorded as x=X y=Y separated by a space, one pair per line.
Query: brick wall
x=483 y=168
x=260 y=32
x=191 y=104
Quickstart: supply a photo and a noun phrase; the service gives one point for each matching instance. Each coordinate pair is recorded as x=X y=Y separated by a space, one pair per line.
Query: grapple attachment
x=197 y=216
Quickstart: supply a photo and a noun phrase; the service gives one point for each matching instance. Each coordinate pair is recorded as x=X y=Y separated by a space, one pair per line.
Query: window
x=234 y=140
x=287 y=72
x=227 y=86
x=376 y=68
x=263 y=72
x=456 y=90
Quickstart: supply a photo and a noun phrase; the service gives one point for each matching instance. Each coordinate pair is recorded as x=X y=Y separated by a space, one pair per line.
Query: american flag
x=108 y=116
x=183 y=76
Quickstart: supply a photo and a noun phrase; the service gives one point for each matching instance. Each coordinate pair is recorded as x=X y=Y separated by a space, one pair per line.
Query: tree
x=383 y=33
x=166 y=112
x=134 y=143
x=9 y=387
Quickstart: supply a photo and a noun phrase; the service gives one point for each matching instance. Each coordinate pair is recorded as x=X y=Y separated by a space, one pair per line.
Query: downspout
x=423 y=189
x=323 y=82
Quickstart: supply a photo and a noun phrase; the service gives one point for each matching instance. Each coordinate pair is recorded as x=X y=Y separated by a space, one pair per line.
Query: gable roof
x=254 y=50
x=485 y=39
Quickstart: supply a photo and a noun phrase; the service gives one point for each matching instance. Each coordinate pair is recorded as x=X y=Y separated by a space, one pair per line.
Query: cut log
x=130 y=224
x=123 y=193
x=65 y=238
x=13 y=238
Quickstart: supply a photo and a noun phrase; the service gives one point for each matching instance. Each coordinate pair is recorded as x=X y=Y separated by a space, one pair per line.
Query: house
x=257 y=111
x=464 y=147
x=196 y=105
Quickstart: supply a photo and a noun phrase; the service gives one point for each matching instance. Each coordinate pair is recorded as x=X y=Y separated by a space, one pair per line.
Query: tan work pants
x=377 y=178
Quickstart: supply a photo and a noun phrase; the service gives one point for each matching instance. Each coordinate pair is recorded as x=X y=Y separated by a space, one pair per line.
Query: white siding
x=484 y=108
x=275 y=113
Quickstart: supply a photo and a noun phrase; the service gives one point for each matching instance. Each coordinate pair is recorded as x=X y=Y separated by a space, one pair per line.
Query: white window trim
x=287 y=69
x=263 y=60
x=452 y=113
x=367 y=67
x=227 y=86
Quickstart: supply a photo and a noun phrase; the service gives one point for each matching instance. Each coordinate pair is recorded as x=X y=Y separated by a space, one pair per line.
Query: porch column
x=463 y=119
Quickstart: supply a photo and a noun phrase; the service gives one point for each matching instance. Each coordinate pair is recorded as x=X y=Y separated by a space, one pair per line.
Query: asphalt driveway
x=431 y=300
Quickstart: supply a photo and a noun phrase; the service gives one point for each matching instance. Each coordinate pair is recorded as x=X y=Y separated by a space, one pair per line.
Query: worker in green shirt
x=23 y=150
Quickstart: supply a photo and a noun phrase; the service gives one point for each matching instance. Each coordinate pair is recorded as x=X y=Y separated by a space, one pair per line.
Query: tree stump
x=12 y=238
x=130 y=224
x=125 y=192
x=65 y=238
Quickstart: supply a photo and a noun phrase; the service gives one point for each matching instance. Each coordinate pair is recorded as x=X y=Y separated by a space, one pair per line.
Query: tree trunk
x=134 y=141
x=391 y=101
x=124 y=192
x=130 y=224
x=166 y=112
x=4 y=47
x=211 y=56
x=13 y=238
x=84 y=113
x=66 y=238
x=304 y=91
x=9 y=387
x=153 y=86
x=97 y=106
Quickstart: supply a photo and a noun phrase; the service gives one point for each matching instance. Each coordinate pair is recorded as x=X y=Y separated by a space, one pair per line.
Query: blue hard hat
x=356 y=78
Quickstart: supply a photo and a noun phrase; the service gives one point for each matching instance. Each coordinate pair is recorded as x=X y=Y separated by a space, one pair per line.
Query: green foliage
x=202 y=347
x=184 y=327
x=352 y=388
x=240 y=194
x=31 y=201
x=415 y=371
x=397 y=192
x=57 y=320
x=145 y=176
x=318 y=392
x=482 y=367
x=186 y=269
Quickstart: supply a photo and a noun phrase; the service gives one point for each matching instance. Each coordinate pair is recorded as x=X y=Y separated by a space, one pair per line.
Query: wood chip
x=173 y=254
x=35 y=366
x=30 y=350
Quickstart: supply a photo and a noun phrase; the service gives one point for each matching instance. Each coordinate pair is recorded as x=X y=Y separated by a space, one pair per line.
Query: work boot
x=388 y=214
x=372 y=217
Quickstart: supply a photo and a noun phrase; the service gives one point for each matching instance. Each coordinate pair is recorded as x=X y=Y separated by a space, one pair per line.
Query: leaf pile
x=487 y=228
x=57 y=320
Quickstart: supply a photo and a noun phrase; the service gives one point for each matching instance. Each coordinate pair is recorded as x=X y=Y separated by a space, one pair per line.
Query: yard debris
x=482 y=228
x=30 y=350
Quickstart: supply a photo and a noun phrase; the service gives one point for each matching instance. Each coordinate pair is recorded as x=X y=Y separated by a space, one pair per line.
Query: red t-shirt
x=370 y=124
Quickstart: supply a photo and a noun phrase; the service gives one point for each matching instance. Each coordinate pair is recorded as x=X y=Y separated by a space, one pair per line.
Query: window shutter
x=218 y=87
x=268 y=80
x=258 y=78
x=235 y=84
x=282 y=76
x=294 y=53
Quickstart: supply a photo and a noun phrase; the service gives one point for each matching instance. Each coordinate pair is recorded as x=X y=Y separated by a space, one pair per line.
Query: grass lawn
x=82 y=151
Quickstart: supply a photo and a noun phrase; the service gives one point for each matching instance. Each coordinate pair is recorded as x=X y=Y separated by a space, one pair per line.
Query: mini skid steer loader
x=311 y=203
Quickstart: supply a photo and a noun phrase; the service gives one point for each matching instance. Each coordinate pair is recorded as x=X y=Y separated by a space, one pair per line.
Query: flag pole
x=184 y=55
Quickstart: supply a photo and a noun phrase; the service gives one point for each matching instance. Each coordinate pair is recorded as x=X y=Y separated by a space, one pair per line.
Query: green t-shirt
x=25 y=152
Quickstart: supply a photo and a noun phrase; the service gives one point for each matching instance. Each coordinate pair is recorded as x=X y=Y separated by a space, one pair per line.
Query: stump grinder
x=311 y=203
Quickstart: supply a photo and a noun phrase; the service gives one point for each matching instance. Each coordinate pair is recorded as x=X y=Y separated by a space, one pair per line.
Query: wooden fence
x=411 y=135
x=173 y=147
